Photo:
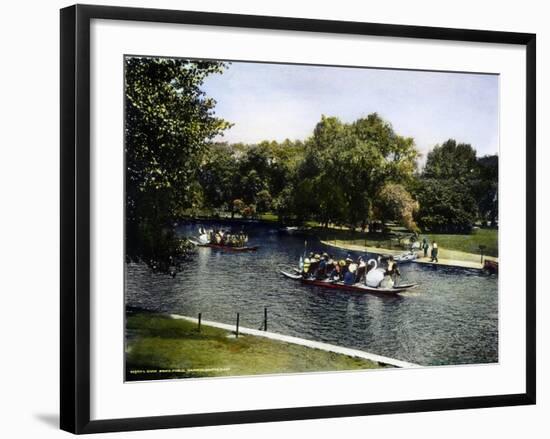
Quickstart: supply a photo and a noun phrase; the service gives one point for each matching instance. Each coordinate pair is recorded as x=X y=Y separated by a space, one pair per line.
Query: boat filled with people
x=223 y=240
x=363 y=276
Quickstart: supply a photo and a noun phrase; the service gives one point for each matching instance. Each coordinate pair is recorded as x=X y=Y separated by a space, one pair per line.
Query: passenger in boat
x=314 y=267
x=335 y=273
x=361 y=269
x=352 y=268
x=331 y=263
x=321 y=273
x=392 y=269
x=242 y=240
x=307 y=266
x=346 y=265
x=435 y=252
x=342 y=266
x=349 y=277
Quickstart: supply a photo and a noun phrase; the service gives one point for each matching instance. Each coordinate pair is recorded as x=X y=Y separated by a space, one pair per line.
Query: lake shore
x=458 y=247
x=166 y=347
x=450 y=258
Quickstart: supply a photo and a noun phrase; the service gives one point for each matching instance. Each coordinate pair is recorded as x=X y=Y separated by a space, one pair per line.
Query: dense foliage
x=345 y=165
x=332 y=177
x=457 y=188
x=169 y=121
x=395 y=203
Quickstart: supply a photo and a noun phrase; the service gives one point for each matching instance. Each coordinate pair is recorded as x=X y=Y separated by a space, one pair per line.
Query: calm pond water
x=451 y=318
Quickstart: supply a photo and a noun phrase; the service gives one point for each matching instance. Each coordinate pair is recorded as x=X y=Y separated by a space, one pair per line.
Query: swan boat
x=357 y=287
x=203 y=241
x=229 y=248
x=373 y=285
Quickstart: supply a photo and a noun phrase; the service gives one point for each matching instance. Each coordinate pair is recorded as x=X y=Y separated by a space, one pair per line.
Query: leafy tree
x=446 y=206
x=258 y=159
x=238 y=205
x=263 y=201
x=267 y=164
x=452 y=160
x=283 y=204
x=345 y=165
x=326 y=132
x=486 y=189
x=169 y=123
x=457 y=188
x=249 y=211
x=395 y=203
x=249 y=185
x=217 y=176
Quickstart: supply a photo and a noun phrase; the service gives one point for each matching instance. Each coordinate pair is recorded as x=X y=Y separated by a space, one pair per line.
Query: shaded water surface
x=451 y=318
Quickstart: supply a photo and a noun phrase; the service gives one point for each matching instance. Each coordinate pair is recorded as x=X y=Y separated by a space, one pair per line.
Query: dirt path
x=452 y=258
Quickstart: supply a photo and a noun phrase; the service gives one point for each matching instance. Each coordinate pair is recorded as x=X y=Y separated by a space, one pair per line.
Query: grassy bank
x=160 y=347
x=469 y=243
x=455 y=244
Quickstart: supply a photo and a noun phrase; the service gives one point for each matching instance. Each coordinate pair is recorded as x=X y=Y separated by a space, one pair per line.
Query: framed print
x=272 y=218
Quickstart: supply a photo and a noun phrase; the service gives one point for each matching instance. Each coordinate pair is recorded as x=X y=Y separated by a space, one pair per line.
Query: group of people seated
x=224 y=237
x=324 y=266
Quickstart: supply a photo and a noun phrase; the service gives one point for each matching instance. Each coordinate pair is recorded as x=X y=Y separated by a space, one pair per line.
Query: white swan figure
x=203 y=236
x=375 y=275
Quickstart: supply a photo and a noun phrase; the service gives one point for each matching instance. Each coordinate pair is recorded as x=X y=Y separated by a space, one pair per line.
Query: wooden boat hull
x=357 y=288
x=230 y=248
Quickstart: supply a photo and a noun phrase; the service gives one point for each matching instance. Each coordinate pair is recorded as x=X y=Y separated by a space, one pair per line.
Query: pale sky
x=276 y=101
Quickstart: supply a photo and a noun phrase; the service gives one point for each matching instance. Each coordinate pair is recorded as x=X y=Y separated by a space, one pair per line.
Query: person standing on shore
x=425 y=247
x=435 y=251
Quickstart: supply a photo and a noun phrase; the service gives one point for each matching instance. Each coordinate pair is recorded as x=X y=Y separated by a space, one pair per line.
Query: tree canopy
x=395 y=203
x=345 y=165
x=169 y=122
x=457 y=188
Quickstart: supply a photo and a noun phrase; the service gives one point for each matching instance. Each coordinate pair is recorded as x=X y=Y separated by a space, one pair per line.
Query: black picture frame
x=75 y=217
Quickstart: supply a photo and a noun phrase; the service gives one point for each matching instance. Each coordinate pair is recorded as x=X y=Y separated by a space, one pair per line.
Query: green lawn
x=268 y=217
x=160 y=347
x=468 y=243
